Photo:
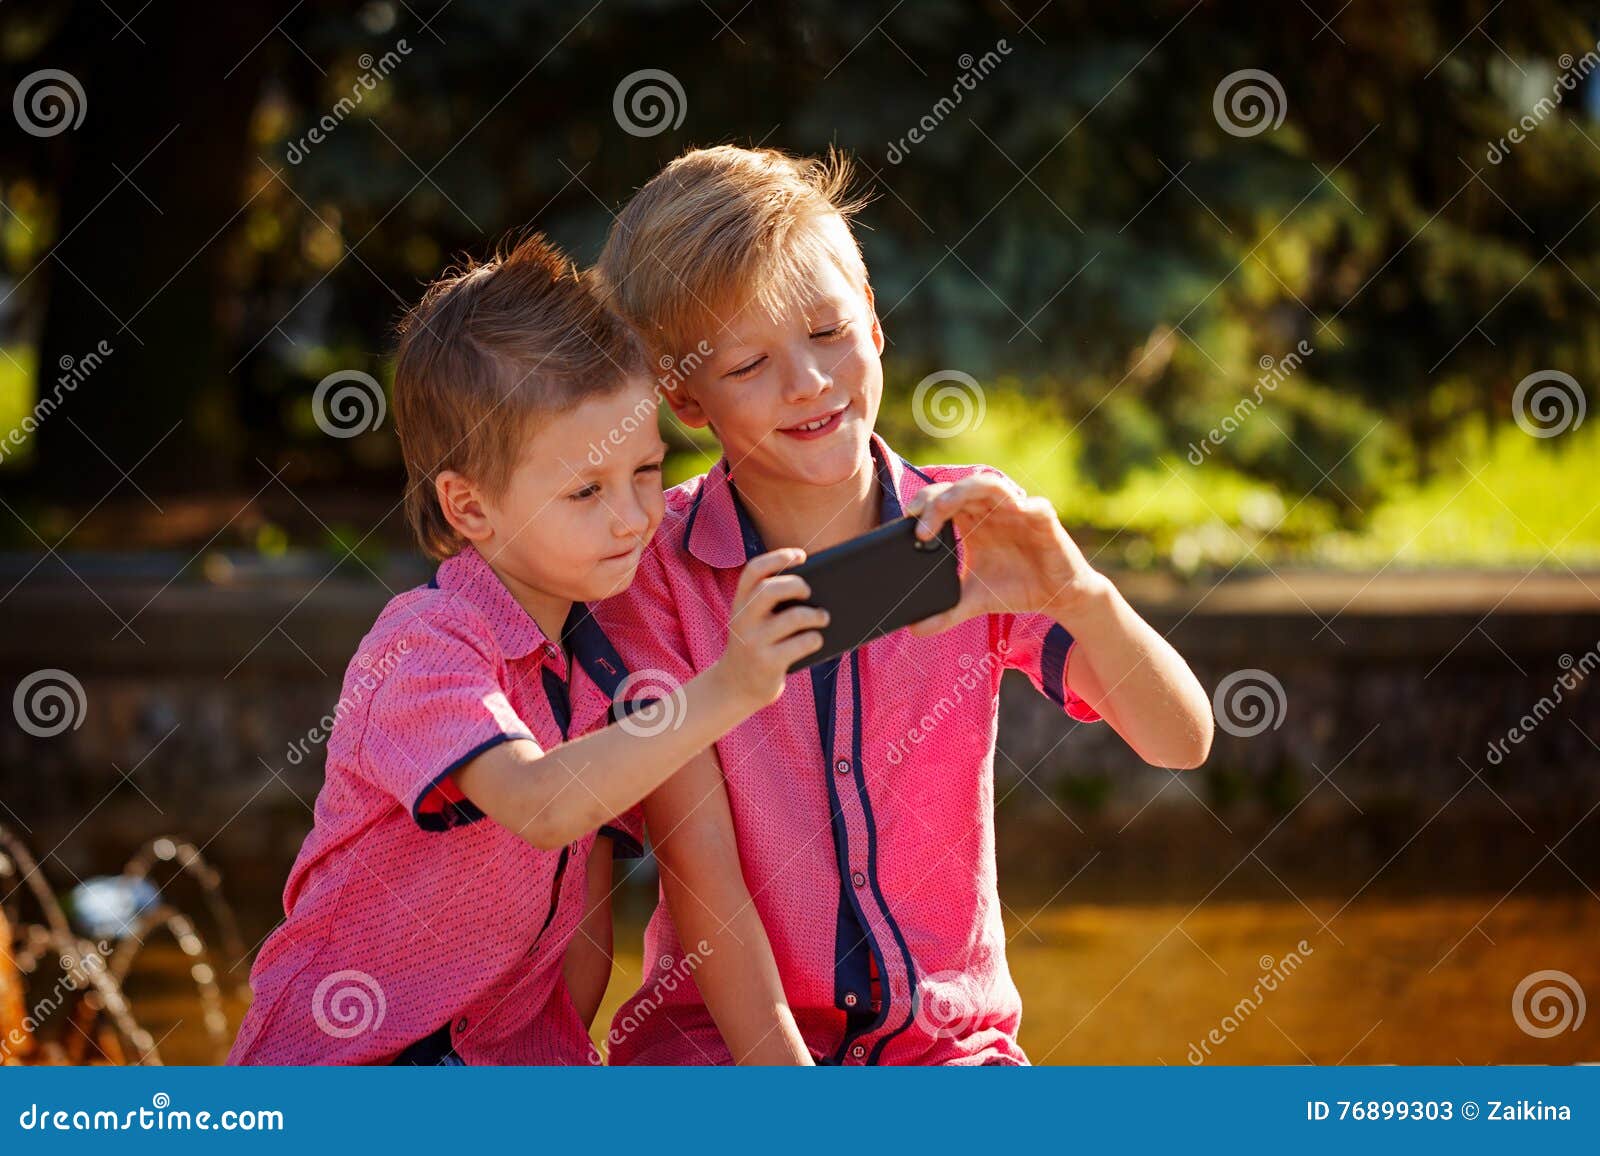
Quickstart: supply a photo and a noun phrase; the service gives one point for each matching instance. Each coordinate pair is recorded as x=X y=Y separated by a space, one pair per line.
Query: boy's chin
x=611 y=585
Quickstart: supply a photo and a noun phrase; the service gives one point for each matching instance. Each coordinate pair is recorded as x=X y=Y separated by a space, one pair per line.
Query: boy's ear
x=463 y=506
x=877 y=325
x=684 y=407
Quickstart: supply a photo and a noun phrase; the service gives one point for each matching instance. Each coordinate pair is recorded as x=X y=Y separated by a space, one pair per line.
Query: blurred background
x=1291 y=309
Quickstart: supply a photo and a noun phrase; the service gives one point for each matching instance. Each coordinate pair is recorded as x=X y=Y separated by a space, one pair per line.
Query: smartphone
x=877 y=583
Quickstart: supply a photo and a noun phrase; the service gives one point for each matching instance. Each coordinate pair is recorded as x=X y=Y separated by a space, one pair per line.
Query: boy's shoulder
x=418 y=620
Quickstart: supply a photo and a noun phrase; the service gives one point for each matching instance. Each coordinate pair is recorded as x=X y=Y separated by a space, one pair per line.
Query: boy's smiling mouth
x=818 y=426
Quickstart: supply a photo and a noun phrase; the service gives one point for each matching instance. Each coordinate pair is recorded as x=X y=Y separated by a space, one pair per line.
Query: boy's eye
x=834 y=331
x=588 y=491
x=649 y=468
x=747 y=369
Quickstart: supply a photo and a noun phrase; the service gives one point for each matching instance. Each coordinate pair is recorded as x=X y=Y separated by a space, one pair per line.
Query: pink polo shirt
x=863 y=802
x=411 y=920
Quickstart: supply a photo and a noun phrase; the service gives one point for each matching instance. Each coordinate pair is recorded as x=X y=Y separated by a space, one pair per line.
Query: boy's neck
x=812 y=517
x=548 y=611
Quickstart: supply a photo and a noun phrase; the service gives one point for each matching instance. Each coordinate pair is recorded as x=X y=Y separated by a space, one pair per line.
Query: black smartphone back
x=879 y=582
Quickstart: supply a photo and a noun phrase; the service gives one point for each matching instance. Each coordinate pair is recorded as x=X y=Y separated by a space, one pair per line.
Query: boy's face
x=793 y=398
x=583 y=501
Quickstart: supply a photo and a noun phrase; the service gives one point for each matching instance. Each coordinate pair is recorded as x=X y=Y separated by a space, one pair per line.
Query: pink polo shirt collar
x=720 y=532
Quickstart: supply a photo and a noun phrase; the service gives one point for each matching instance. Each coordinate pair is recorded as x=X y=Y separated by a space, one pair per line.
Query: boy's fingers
x=798 y=618
x=770 y=563
x=797 y=646
x=784 y=588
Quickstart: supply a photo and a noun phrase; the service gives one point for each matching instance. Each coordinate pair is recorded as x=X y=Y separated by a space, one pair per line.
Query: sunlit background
x=1291 y=310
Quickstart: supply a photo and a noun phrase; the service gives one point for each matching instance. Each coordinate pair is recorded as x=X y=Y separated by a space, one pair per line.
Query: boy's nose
x=807 y=380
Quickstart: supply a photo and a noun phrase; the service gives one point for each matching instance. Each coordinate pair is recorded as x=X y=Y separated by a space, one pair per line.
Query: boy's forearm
x=1123 y=668
x=691 y=825
x=737 y=976
x=552 y=797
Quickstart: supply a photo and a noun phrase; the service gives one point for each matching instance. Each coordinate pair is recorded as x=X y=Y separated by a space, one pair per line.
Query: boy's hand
x=764 y=642
x=1019 y=560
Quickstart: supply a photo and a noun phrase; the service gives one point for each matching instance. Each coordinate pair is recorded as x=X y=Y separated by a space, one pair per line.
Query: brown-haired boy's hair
x=722 y=227
x=489 y=349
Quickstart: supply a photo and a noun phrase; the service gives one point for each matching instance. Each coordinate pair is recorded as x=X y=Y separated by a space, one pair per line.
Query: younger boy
x=844 y=836
x=446 y=907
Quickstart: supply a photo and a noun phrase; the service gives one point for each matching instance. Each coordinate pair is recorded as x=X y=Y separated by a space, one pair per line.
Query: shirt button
x=461 y=1024
x=850 y=999
x=858 y=879
x=842 y=767
x=858 y=1051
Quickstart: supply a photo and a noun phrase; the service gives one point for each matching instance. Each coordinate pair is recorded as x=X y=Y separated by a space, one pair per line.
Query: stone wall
x=1453 y=717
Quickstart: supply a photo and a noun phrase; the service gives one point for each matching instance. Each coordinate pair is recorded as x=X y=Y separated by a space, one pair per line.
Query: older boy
x=860 y=864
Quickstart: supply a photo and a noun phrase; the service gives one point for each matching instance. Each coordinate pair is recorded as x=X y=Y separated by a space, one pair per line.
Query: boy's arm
x=691 y=827
x=550 y=798
x=1019 y=559
x=587 y=967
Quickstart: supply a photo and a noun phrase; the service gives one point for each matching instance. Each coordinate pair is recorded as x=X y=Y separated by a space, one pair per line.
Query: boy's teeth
x=818 y=424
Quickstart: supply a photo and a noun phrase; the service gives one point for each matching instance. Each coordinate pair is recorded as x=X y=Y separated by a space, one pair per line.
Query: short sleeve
x=439 y=705
x=1040 y=647
x=626 y=833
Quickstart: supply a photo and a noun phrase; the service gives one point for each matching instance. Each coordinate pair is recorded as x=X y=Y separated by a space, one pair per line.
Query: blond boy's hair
x=720 y=228
x=490 y=350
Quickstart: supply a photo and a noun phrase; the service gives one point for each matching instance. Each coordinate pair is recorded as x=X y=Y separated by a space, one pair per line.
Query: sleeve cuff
x=440 y=805
x=1053 y=664
x=623 y=844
